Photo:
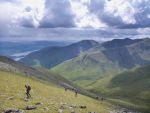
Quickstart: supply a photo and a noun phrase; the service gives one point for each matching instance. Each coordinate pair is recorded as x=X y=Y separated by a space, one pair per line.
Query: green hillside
x=10 y=65
x=102 y=63
x=86 y=69
x=132 y=83
x=130 y=89
x=52 y=97
x=133 y=86
x=97 y=71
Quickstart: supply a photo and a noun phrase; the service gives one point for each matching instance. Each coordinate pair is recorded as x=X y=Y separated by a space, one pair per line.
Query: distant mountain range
x=52 y=56
x=18 y=50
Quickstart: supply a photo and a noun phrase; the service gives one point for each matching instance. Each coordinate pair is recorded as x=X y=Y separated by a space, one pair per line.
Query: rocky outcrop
x=13 y=111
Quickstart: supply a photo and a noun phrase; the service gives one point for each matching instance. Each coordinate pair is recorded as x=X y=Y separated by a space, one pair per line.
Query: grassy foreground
x=52 y=97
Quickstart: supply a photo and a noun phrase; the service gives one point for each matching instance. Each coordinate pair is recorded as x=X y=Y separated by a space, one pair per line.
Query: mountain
x=115 y=43
x=47 y=97
x=114 y=72
x=102 y=62
x=52 y=56
x=17 y=50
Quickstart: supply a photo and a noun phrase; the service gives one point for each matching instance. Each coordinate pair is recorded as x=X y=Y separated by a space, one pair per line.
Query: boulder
x=60 y=110
x=72 y=106
x=38 y=103
x=30 y=107
x=10 y=98
x=92 y=112
x=25 y=99
x=13 y=111
x=83 y=107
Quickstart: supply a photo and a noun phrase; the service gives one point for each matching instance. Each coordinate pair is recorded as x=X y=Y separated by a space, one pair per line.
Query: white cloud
x=35 y=12
x=143 y=31
x=16 y=12
x=148 y=16
x=122 y=9
x=83 y=16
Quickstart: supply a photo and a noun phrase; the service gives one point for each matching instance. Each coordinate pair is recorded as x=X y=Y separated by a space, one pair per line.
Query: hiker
x=102 y=99
x=97 y=97
x=76 y=93
x=28 y=89
x=65 y=89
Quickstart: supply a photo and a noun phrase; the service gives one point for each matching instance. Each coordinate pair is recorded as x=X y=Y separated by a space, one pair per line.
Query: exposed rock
x=13 y=111
x=83 y=107
x=10 y=98
x=92 y=112
x=38 y=103
x=30 y=107
x=60 y=110
x=123 y=110
x=25 y=99
x=73 y=106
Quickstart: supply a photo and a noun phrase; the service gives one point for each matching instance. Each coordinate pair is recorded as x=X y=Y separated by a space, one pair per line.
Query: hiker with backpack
x=28 y=89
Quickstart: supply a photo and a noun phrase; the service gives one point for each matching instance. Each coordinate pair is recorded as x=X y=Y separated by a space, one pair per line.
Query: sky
x=74 y=19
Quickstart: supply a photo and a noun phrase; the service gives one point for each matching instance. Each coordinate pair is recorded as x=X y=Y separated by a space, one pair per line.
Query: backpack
x=29 y=88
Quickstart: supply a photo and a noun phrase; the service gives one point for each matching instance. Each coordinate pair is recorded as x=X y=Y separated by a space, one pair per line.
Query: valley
x=74 y=56
x=116 y=70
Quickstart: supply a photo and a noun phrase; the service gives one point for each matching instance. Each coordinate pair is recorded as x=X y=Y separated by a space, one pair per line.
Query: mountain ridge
x=51 y=56
x=99 y=62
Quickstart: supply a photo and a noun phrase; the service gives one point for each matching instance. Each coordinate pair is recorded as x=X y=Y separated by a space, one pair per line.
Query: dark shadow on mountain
x=120 y=56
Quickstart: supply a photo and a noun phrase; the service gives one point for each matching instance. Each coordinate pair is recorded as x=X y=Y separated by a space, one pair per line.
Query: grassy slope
x=87 y=68
x=133 y=85
x=12 y=85
x=100 y=64
x=40 y=73
x=129 y=88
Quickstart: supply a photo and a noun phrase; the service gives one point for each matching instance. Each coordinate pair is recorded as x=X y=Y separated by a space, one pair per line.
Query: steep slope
x=16 y=67
x=12 y=66
x=137 y=81
x=101 y=63
x=132 y=86
x=47 y=97
x=51 y=56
